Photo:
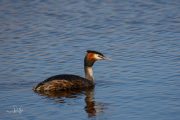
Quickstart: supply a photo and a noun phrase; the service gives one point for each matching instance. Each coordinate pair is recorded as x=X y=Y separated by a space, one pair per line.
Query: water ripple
x=44 y=38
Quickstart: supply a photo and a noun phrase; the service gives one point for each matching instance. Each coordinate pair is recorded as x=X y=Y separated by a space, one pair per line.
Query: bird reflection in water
x=92 y=107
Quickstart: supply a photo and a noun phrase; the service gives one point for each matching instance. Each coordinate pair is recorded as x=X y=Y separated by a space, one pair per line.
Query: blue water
x=39 y=39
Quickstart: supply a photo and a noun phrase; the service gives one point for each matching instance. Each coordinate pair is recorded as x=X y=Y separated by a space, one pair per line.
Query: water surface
x=39 y=39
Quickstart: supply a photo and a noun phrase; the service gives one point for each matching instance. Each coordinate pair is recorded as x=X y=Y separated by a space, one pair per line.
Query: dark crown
x=92 y=51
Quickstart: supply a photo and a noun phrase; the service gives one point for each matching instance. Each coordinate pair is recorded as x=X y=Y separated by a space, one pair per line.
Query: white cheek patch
x=96 y=57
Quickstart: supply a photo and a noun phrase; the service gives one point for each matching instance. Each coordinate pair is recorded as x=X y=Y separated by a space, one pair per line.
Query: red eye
x=99 y=56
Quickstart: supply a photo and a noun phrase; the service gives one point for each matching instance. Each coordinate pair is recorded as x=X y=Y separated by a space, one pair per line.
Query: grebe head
x=89 y=60
x=93 y=56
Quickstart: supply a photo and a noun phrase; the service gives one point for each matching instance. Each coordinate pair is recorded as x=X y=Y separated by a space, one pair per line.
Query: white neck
x=89 y=73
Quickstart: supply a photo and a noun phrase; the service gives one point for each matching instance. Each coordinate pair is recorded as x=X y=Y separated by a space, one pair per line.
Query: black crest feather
x=92 y=51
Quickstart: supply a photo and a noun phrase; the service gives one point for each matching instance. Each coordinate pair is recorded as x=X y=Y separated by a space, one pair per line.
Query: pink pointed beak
x=106 y=58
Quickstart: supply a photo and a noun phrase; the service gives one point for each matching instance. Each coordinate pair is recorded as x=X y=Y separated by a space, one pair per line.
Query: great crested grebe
x=67 y=81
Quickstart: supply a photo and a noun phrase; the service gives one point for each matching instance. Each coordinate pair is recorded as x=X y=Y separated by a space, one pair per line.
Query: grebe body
x=67 y=81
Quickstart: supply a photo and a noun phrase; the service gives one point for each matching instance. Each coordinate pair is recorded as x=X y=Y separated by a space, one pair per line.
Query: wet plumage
x=63 y=82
